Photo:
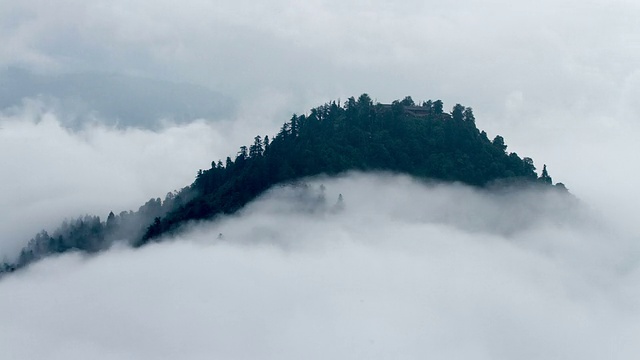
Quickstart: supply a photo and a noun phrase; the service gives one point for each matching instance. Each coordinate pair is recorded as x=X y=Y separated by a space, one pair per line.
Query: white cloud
x=405 y=271
x=50 y=173
x=428 y=49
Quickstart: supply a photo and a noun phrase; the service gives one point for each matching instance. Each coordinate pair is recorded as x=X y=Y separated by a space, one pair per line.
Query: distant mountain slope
x=114 y=98
x=421 y=141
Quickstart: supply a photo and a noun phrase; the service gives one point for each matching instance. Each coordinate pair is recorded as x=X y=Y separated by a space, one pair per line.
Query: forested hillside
x=419 y=140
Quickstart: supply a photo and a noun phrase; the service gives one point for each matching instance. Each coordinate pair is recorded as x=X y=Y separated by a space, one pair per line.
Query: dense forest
x=420 y=140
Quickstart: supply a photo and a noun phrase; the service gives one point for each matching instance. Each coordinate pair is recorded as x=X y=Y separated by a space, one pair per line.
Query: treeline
x=419 y=140
x=90 y=235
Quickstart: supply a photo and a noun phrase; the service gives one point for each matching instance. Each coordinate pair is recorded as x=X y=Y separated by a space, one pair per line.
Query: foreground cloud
x=403 y=270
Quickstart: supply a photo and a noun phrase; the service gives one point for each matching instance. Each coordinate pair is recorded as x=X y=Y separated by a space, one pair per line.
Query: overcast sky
x=558 y=79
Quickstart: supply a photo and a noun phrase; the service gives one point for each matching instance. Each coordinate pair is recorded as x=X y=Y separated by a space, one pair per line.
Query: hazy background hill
x=113 y=99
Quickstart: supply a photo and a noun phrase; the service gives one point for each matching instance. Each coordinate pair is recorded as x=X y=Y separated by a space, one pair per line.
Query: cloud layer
x=50 y=173
x=405 y=270
x=554 y=53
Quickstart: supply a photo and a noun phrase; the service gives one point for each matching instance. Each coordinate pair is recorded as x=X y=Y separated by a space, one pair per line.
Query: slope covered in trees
x=422 y=141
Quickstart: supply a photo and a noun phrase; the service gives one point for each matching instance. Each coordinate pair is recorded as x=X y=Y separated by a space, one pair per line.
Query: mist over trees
x=90 y=235
x=419 y=140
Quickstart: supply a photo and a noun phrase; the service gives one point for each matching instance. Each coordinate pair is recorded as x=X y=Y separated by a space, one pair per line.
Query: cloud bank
x=50 y=172
x=404 y=270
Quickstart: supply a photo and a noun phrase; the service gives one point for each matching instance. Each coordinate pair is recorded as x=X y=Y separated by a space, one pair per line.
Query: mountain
x=422 y=141
x=114 y=99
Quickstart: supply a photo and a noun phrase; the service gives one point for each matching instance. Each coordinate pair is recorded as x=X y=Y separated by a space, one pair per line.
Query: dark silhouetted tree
x=544 y=177
x=457 y=113
x=498 y=142
x=468 y=116
x=438 y=107
x=408 y=101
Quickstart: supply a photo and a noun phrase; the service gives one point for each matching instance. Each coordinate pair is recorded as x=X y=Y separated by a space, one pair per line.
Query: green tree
x=364 y=101
x=242 y=154
x=498 y=142
x=408 y=101
x=457 y=114
x=544 y=177
x=468 y=116
x=256 y=149
x=438 y=107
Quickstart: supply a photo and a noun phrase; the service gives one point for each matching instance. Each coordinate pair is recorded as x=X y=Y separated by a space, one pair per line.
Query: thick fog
x=399 y=269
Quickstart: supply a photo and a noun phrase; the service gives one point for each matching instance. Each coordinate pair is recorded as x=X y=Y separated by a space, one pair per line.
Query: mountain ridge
x=422 y=141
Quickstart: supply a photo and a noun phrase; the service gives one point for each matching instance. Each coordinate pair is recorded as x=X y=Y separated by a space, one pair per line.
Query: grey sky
x=558 y=79
x=539 y=65
x=547 y=49
x=113 y=99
